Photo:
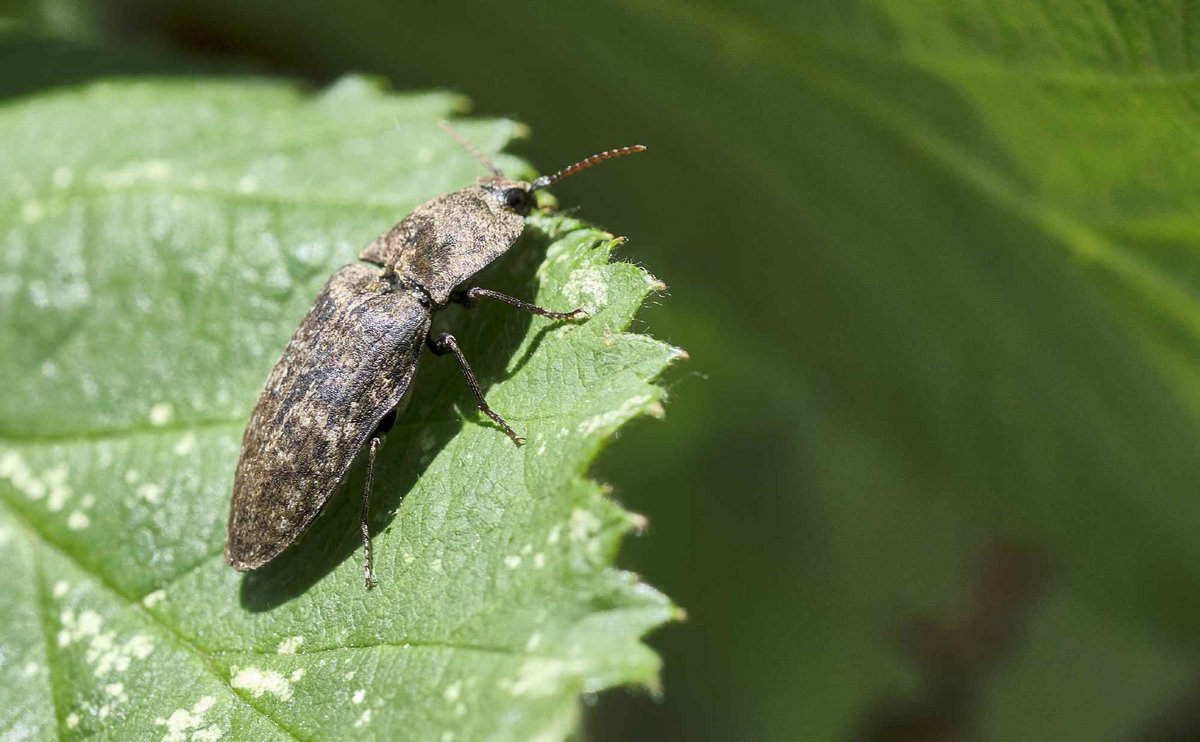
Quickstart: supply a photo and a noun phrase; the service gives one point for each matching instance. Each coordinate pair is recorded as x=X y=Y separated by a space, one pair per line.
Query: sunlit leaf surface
x=160 y=241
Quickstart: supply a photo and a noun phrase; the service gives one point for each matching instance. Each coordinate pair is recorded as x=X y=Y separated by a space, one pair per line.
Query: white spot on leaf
x=104 y=652
x=203 y=705
x=257 y=682
x=185 y=445
x=183 y=721
x=160 y=414
x=150 y=492
x=153 y=599
x=52 y=482
x=585 y=287
x=582 y=525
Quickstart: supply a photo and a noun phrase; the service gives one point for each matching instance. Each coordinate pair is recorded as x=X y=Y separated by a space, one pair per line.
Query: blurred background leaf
x=936 y=263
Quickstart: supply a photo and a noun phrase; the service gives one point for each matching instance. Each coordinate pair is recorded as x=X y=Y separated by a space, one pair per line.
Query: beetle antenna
x=548 y=180
x=475 y=151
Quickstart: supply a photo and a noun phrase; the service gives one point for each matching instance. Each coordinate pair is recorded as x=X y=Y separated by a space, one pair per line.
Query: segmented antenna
x=548 y=180
x=475 y=152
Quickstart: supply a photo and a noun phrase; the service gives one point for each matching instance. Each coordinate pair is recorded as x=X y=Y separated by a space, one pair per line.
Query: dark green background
x=931 y=472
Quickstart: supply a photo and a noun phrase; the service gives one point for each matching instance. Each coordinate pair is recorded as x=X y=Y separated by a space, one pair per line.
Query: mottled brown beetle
x=351 y=361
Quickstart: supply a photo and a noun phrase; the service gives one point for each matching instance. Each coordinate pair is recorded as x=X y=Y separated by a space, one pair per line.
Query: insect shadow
x=438 y=407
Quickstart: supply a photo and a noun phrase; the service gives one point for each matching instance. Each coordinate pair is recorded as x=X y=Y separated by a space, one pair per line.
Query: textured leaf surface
x=161 y=240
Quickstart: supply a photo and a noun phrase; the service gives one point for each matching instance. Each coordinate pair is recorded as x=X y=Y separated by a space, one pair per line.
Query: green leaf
x=161 y=240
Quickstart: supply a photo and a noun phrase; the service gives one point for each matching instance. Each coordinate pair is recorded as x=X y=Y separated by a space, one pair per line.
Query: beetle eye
x=515 y=198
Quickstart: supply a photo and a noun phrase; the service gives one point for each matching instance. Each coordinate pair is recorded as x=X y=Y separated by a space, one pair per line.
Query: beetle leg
x=368 y=567
x=471 y=297
x=445 y=343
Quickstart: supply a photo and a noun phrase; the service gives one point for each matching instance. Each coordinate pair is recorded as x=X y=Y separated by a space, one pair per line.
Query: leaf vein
x=205 y=660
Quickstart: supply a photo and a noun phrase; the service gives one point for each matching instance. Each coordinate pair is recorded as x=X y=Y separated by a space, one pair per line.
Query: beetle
x=347 y=368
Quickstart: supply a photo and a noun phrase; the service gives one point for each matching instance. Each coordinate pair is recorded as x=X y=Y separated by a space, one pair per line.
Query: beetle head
x=514 y=196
